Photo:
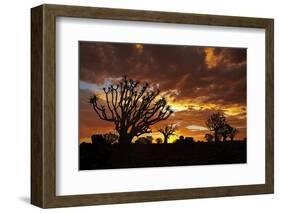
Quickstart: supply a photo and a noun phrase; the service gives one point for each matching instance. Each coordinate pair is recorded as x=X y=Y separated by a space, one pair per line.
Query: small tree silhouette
x=167 y=131
x=233 y=133
x=209 y=137
x=225 y=132
x=132 y=108
x=215 y=122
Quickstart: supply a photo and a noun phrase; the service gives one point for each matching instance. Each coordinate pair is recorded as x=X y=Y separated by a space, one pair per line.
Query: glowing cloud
x=212 y=60
x=196 y=128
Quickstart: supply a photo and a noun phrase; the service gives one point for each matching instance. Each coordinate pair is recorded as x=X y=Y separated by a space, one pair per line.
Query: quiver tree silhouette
x=167 y=131
x=132 y=107
x=215 y=122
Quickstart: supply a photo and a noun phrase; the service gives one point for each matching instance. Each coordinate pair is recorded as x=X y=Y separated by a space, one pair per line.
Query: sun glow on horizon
x=190 y=107
x=195 y=81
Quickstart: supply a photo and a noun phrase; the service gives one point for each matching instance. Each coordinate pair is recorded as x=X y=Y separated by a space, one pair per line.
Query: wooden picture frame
x=43 y=105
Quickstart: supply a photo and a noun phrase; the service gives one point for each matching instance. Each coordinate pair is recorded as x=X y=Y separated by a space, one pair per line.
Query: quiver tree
x=132 y=107
x=167 y=131
x=215 y=122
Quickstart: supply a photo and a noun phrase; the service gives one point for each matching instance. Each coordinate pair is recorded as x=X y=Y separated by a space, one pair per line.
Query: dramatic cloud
x=196 y=81
x=196 y=128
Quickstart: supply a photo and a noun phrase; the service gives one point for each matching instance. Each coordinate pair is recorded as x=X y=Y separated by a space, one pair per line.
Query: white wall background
x=15 y=105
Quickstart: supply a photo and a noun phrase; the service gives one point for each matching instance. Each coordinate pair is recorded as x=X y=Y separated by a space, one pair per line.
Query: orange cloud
x=196 y=81
x=212 y=60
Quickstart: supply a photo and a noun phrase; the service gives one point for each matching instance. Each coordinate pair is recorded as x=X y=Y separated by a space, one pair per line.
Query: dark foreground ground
x=156 y=155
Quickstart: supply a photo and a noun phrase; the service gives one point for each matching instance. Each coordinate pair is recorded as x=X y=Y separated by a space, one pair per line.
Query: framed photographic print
x=136 y=106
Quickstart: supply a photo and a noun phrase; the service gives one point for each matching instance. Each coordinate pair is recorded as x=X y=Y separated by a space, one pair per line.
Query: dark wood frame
x=43 y=105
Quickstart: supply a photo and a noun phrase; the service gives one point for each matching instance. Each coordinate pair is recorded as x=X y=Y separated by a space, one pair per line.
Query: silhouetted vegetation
x=134 y=109
x=159 y=140
x=216 y=122
x=185 y=140
x=144 y=140
x=209 y=137
x=167 y=131
x=146 y=154
x=222 y=130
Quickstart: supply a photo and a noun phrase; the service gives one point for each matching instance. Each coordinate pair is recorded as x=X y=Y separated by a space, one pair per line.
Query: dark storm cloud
x=184 y=68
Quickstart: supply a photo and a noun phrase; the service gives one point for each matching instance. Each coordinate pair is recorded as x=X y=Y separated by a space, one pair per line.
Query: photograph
x=158 y=105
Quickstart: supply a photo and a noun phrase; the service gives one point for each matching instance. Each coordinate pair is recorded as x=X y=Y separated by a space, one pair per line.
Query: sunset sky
x=196 y=81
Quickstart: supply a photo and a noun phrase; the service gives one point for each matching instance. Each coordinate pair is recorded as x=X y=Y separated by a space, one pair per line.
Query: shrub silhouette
x=144 y=140
x=209 y=137
x=185 y=140
x=111 y=138
x=159 y=140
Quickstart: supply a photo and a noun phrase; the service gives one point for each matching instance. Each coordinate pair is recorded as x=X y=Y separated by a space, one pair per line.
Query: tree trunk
x=124 y=139
x=216 y=137
x=165 y=140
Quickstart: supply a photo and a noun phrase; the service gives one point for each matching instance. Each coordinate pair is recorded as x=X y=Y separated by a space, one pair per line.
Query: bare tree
x=209 y=137
x=133 y=108
x=215 y=122
x=233 y=133
x=167 y=131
